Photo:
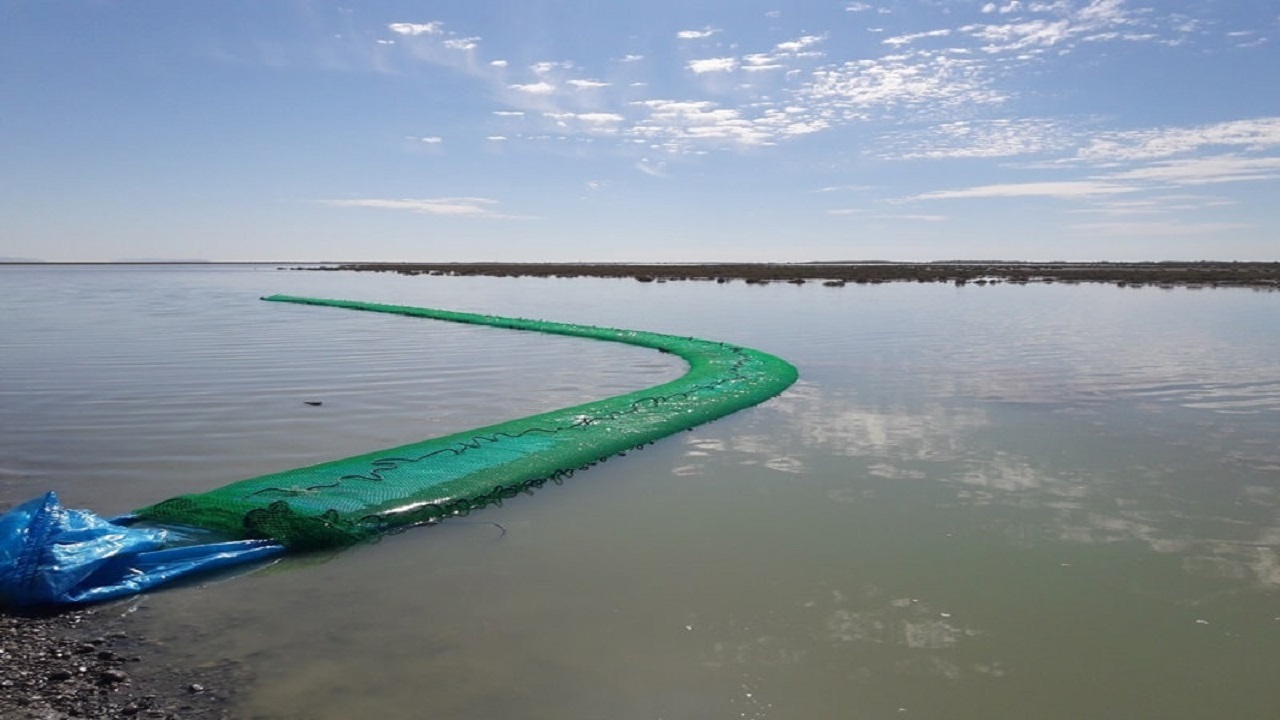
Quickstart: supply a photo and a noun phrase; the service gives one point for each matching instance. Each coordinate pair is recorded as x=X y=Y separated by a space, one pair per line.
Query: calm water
x=1001 y=502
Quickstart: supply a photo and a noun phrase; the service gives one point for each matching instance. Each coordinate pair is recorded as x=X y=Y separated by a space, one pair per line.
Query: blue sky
x=539 y=130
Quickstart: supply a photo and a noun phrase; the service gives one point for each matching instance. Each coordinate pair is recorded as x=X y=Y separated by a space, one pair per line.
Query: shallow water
x=1001 y=502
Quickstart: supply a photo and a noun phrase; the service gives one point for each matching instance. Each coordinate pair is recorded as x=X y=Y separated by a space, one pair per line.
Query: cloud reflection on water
x=1111 y=472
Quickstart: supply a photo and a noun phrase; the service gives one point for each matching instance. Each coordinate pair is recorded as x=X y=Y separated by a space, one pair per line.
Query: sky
x=656 y=131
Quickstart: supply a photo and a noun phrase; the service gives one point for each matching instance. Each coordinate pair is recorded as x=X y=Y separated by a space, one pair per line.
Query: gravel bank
x=89 y=664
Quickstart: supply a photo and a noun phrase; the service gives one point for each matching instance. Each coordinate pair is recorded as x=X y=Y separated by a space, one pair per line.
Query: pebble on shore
x=80 y=664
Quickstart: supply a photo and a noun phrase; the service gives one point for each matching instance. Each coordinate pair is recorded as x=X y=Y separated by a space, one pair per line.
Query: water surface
x=980 y=502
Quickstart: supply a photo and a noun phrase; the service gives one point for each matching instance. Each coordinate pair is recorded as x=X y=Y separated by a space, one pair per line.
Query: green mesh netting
x=344 y=501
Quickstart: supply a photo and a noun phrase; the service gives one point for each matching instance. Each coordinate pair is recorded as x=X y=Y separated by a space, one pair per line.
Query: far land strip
x=1260 y=275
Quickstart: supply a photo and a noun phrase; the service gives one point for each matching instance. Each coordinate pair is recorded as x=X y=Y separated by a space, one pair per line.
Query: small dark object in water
x=313 y=403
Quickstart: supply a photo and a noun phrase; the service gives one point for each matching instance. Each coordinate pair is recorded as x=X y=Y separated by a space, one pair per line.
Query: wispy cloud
x=858 y=89
x=652 y=168
x=1006 y=137
x=1056 y=25
x=467 y=43
x=915 y=217
x=1204 y=170
x=908 y=39
x=673 y=124
x=1256 y=134
x=591 y=122
x=1147 y=163
x=431 y=28
x=455 y=207
x=844 y=188
x=802 y=96
x=1067 y=189
x=1158 y=229
x=942 y=81
x=1155 y=205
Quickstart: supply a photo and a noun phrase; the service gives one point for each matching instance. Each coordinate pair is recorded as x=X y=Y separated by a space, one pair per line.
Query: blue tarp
x=53 y=555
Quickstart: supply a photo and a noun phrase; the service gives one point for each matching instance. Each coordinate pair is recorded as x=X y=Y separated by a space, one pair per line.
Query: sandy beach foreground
x=1262 y=275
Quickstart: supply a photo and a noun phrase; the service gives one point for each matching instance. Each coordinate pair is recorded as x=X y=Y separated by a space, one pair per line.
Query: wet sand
x=1261 y=275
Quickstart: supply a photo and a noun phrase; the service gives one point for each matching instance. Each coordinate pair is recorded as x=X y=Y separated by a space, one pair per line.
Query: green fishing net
x=344 y=501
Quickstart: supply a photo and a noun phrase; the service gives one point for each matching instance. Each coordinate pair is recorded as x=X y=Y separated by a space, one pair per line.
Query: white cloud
x=508 y=113
x=844 y=188
x=538 y=88
x=542 y=68
x=792 y=47
x=1067 y=189
x=1013 y=6
x=497 y=138
x=851 y=90
x=1156 y=160
x=592 y=122
x=1255 y=134
x=675 y=124
x=600 y=118
x=431 y=28
x=696 y=34
x=433 y=140
x=767 y=95
x=1059 y=24
x=1204 y=171
x=724 y=64
x=979 y=139
x=459 y=207
x=468 y=43
x=908 y=39
x=1020 y=36
x=1156 y=205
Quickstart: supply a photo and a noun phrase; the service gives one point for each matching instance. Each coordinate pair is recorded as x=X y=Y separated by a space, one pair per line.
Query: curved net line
x=344 y=501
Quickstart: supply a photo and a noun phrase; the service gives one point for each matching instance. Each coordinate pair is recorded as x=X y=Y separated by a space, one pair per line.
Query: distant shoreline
x=1200 y=274
x=1261 y=275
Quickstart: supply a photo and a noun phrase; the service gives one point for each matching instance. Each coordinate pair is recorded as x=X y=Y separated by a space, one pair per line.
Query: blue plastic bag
x=53 y=555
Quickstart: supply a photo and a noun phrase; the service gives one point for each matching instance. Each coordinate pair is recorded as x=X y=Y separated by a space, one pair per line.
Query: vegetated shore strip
x=1261 y=275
